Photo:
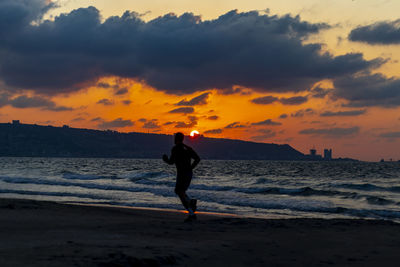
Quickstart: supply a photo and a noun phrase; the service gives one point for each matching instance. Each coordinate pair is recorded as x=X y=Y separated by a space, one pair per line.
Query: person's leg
x=184 y=199
x=182 y=184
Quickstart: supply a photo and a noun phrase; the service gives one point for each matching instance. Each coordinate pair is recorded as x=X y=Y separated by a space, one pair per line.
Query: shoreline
x=40 y=233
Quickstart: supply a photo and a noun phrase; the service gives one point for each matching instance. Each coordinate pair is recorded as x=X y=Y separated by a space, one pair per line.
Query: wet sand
x=34 y=233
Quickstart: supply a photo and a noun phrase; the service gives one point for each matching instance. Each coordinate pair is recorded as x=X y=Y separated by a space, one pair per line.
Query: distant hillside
x=48 y=141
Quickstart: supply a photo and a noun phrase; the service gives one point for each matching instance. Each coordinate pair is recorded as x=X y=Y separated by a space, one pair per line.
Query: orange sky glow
x=138 y=107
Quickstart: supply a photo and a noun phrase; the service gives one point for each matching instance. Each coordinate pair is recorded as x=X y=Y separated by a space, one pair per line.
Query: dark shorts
x=183 y=181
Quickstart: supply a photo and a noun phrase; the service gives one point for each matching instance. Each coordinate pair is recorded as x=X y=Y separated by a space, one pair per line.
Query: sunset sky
x=311 y=73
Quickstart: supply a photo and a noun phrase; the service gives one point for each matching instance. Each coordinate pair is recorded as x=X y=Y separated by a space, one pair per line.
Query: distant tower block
x=327 y=154
x=313 y=152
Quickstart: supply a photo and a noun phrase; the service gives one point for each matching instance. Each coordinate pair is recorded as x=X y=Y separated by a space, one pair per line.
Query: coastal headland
x=36 y=233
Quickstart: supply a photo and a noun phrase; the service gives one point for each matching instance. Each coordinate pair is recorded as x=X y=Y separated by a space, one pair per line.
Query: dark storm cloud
x=16 y=14
x=347 y=113
x=268 y=122
x=184 y=110
x=105 y=102
x=390 y=135
x=117 y=123
x=385 y=32
x=235 y=125
x=176 y=54
x=33 y=102
x=331 y=132
x=213 y=131
x=266 y=100
x=198 y=100
x=368 y=90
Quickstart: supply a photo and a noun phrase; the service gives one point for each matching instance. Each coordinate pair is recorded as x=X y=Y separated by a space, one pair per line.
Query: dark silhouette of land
x=27 y=140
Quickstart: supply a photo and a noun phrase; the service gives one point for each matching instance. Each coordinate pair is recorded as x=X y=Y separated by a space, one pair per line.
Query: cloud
x=213 y=118
x=213 y=131
x=184 y=110
x=266 y=100
x=18 y=13
x=302 y=112
x=77 y=119
x=192 y=122
x=319 y=92
x=105 y=102
x=182 y=124
x=234 y=90
x=58 y=108
x=150 y=124
x=97 y=119
x=32 y=102
x=368 y=90
x=117 y=123
x=296 y=100
x=283 y=116
x=235 y=125
x=343 y=113
x=176 y=54
x=121 y=91
x=104 y=85
x=331 y=132
x=198 y=100
x=379 y=33
x=126 y=102
x=390 y=135
x=267 y=122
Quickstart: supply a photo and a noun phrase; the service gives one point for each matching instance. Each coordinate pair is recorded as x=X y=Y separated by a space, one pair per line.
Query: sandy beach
x=35 y=233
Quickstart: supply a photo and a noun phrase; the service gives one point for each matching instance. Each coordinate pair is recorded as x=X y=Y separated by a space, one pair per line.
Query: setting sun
x=194 y=133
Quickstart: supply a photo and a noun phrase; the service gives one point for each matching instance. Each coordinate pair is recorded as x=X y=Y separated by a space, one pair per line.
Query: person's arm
x=195 y=157
x=170 y=160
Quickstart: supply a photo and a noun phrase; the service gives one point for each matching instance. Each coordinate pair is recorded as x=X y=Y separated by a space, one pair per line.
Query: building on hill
x=313 y=155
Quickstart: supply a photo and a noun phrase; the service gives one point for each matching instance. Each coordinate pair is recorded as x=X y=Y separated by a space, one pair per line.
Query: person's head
x=179 y=138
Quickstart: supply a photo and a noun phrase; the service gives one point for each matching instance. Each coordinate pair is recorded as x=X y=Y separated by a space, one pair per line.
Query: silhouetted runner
x=181 y=156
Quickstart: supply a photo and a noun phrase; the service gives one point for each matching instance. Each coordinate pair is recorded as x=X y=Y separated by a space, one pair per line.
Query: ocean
x=266 y=189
